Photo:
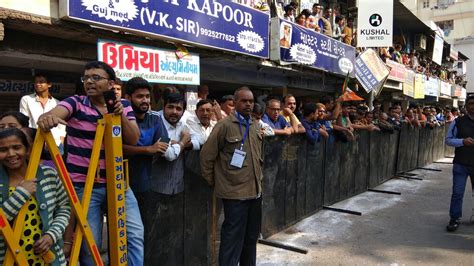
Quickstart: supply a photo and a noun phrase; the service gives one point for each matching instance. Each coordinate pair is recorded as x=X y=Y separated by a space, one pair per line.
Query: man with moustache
x=166 y=185
x=82 y=113
x=288 y=112
x=152 y=130
x=201 y=124
x=231 y=161
x=276 y=121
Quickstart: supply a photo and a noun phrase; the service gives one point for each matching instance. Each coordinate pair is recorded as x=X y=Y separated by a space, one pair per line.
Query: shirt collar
x=86 y=101
x=168 y=125
x=238 y=117
x=37 y=97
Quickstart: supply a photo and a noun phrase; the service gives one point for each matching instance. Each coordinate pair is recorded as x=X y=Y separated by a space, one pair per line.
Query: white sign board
x=438 y=50
x=308 y=4
x=375 y=23
x=154 y=65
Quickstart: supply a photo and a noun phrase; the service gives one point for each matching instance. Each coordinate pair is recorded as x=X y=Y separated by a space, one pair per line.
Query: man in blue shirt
x=150 y=143
x=275 y=120
x=314 y=127
x=461 y=136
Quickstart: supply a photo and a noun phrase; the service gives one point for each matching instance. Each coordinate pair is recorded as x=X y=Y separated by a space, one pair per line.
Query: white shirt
x=31 y=106
x=174 y=133
x=184 y=118
x=199 y=133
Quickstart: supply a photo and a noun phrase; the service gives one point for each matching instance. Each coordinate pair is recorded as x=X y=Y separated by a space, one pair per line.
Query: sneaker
x=453 y=225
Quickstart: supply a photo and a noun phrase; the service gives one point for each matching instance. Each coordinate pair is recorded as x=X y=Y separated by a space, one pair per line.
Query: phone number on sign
x=217 y=35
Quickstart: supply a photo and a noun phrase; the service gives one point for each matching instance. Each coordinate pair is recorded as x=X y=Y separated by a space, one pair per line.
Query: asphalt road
x=407 y=229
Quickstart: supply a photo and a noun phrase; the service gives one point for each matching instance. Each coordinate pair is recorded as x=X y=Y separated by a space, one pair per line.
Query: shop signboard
x=432 y=87
x=374 y=23
x=25 y=87
x=419 y=86
x=152 y=64
x=299 y=45
x=371 y=71
x=409 y=84
x=397 y=71
x=445 y=88
x=438 y=49
x=221 y=25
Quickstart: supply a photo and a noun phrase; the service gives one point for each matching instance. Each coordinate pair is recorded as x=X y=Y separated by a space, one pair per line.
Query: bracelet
x=67 y=243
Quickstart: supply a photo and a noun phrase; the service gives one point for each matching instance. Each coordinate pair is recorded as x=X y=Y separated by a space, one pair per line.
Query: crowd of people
x=322 y=20
x=421 y=63
x=228 y=132
x=331 y=22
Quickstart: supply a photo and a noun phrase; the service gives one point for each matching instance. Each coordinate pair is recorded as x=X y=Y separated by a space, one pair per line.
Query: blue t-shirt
x=151 y=129
x=280 y=123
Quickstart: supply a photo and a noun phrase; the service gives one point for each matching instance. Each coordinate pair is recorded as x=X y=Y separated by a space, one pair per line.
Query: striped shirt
x=81 y=128
x=55 y=202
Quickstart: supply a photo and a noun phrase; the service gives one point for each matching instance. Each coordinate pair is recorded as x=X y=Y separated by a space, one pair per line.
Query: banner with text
x=24 y=87
x=375 y=23
x=409 y=84
x=419 y=86
x=218 y=24
x=154 y=65
x=445 y=88
x=438 y=49
x=307 y=47
x=371 y=71
x=397 y=71
x=432 y=87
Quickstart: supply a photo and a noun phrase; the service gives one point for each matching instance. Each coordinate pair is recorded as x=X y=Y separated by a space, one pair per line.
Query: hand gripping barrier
x=108 y=129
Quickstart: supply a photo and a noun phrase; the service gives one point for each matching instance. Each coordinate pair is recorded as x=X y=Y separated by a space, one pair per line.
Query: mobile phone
x=109 y=98
x=165 y=139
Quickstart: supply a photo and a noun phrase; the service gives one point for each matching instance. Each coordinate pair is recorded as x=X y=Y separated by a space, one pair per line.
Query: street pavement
x=406 y=229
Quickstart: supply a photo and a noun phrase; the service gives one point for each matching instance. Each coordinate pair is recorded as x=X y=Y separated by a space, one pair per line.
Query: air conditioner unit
x=420 y=42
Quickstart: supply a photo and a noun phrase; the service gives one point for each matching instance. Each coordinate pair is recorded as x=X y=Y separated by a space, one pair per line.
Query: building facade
x=456 y=19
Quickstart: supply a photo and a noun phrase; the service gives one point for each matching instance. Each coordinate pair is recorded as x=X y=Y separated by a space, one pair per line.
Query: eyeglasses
x=94 y=78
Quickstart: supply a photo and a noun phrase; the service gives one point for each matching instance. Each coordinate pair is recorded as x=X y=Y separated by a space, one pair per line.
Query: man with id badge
x=231 y=162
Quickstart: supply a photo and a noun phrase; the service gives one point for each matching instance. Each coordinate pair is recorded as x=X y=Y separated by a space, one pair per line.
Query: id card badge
x=238 y=158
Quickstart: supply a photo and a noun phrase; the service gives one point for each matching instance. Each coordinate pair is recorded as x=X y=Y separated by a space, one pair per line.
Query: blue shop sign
x=308 y=47
x=218 y=24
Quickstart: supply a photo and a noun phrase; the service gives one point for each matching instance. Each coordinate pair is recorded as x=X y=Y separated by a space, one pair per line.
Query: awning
x=406 y=21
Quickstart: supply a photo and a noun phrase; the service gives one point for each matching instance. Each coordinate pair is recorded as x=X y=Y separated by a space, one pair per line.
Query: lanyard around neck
x=247 y=129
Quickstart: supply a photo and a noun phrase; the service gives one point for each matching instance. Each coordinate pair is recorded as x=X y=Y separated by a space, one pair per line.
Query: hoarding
x=299 y=45
x=397 y=71
x=419 y=86
x=438 y=49
x=154 y=65
x=432 y=87
x=375 y=23
x=370 y=71
x=218 y=24
x=409 y=84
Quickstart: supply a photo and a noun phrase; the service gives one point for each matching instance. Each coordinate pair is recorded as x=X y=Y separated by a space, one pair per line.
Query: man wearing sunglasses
x=81 y=113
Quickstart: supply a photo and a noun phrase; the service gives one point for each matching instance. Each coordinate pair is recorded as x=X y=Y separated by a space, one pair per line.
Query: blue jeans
x=460 y=174
x=135 y=233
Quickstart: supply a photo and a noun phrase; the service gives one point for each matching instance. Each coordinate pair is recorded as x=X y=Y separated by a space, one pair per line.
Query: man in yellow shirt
x=289 y=107
x=347 y=32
